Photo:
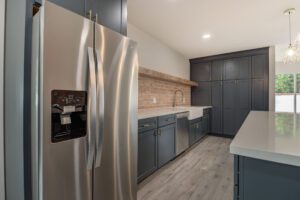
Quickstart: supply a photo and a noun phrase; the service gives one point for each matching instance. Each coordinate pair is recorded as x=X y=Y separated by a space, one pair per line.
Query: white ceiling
x=234 y=24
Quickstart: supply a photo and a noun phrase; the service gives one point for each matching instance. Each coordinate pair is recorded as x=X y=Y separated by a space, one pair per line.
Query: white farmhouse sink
x=194 y=111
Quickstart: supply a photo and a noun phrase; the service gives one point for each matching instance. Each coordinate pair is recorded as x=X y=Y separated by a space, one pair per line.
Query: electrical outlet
x=154 y=100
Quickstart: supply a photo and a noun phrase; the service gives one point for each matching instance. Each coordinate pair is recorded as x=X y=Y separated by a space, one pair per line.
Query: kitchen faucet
x=174 y=100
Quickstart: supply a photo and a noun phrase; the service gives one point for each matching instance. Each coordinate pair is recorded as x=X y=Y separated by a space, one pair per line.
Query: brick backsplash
x=163 y=91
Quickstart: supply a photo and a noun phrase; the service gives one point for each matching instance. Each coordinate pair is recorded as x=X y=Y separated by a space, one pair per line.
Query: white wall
x=155 y=55
x=282 y=68
x=2 y=11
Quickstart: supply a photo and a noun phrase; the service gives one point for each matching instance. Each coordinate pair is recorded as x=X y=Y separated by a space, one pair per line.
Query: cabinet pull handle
x=170 y=119
x=95 y=18
x=89 y=14
x=145 y=126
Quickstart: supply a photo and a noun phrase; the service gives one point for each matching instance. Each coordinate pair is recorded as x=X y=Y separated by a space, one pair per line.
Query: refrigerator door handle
x=100 y=109
x=92 y=113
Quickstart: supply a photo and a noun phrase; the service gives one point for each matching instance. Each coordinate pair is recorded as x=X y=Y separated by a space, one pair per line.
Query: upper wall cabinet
x=231 y=70
x=259 y=66
x=237 y=68
x=217 y=70
x=111 y=13
x=201 y=95
x=77 y=6
x=201 y=71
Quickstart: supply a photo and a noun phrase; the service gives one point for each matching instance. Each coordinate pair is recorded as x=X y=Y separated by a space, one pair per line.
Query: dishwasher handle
x=182 y=115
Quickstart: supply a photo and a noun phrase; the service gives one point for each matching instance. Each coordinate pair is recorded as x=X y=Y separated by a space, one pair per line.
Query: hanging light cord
x=290 y=28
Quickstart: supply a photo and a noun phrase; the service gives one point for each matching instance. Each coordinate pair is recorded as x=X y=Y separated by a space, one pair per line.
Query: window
x=287 y=93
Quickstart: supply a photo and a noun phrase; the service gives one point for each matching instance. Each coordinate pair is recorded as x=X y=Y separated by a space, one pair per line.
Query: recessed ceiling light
x=206 y=36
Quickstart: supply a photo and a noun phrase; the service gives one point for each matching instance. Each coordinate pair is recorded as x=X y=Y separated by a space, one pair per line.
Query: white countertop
x=156 y=112
x=269 y=136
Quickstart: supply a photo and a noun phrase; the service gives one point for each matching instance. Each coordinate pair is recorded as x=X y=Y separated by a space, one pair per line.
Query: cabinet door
x=231 y=70
x=244 y=67
x=109 y=12
x=237 y=68
x=201 y=95
x=192 y=134
x=217 y=70
x=243 y=94
x=147 y=147
x=259 y=94
x=229 y=92
x=166 y=144
x=205 y=124
x=229 y=127
x=216 y=93
x=243 y=105
x=216 y=120
x=229 y=103
x=198 y=131
x=259 y=66
x=77 y=6
x=201 y=71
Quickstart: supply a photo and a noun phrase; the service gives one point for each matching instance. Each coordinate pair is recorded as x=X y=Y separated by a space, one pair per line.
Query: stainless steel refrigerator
x=84 y=109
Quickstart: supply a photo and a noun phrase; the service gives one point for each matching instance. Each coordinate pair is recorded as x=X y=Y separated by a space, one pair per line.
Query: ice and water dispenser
x=69 y=114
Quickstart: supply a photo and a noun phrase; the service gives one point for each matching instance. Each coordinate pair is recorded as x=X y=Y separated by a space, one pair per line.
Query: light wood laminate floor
x=203 y=173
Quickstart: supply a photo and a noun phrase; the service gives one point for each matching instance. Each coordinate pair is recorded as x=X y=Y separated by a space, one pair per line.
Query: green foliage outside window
x=284 y=83
x=298 y=83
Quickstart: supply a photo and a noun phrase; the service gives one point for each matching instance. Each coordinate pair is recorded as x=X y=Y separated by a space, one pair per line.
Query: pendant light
x=292 y=53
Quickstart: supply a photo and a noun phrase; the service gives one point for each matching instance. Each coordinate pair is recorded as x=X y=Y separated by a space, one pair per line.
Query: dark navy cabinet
x=260 y=81
x=110 y=13
x=217 y=70
x=201 y=71
x=196 y=131
x=239 y=83
x=216 y=111
x=236 y=104
x=200 y=127
x=237 y=68
x=156 y=143
x=201 y=95
x=231 y=70
x=77 y=6
x=256 y=179
x=166 y=144
x=147 y=155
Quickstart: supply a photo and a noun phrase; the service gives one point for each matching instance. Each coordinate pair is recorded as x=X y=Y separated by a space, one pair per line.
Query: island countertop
x=269 y=136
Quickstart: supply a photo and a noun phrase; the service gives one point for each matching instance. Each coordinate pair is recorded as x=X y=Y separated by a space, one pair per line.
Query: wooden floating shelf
x=165 y=77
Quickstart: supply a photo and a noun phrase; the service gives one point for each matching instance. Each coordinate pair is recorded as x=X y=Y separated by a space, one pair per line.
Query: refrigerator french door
x=84 y=109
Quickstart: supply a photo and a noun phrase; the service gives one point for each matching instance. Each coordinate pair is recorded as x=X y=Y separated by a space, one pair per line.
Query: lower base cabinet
x=157 y=146
x=147 y=153
x=166 y=144
x=195 y=133
x=199 y=127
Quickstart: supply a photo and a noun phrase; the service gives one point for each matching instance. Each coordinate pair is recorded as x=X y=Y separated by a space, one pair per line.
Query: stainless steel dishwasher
x=182 y=132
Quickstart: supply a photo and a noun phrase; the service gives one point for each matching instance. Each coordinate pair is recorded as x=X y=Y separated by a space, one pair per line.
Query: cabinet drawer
x=195 y=120
x=206 y=111
x=147 y=124
x=165 y=120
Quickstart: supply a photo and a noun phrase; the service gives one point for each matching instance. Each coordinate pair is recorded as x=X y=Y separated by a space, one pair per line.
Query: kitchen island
x=267 y=157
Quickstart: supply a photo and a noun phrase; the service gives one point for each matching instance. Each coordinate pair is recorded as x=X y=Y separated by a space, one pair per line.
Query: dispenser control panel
x=69 y=114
